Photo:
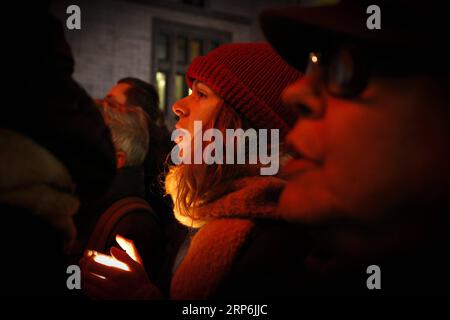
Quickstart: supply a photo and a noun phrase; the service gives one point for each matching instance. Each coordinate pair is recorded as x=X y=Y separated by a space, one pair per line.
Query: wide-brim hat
x=411 y=27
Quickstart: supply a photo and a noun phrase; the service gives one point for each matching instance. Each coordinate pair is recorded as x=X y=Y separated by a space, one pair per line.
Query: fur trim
x=248 y=197
x=32 y=178
x=214 y=247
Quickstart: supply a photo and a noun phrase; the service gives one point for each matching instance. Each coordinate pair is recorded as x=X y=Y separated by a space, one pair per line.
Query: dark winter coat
x=244 y=250
x=141 y=226
x=63 y=153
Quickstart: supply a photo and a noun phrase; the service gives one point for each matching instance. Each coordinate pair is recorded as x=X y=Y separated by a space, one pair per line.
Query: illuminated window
x=175 y=46
x=180 y=87
x=161 y=79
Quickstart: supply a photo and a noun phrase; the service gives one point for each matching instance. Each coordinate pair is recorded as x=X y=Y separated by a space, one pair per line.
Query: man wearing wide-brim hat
x=369 y=173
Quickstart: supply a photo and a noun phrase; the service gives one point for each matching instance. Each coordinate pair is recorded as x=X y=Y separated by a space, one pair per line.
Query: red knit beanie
x=250 y=78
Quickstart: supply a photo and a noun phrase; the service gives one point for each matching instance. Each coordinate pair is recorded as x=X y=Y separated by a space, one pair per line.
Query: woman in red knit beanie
x=229 y=207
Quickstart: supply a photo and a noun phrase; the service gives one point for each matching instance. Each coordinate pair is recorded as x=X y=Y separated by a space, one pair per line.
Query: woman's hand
x=100 y=281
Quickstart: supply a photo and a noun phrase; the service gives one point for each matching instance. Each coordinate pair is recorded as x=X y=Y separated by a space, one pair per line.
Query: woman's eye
x=201 y=94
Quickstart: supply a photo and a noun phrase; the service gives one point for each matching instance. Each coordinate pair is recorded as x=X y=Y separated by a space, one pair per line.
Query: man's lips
x=299 y=163
x=297 y=166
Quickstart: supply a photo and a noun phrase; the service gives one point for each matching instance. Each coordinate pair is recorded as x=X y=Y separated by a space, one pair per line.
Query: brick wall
x=115 y=39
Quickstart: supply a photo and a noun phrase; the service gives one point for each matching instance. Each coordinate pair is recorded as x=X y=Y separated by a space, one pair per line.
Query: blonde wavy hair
x=193 y=185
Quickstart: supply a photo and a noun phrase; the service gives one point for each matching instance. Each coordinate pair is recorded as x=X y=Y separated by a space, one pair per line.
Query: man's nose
x=306 y=97
x=180 y=109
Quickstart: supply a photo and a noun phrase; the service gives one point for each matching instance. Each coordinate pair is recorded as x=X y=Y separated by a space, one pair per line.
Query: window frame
x=208 y=38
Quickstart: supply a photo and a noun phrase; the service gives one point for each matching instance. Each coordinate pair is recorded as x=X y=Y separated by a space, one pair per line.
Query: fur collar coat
x=216 y=245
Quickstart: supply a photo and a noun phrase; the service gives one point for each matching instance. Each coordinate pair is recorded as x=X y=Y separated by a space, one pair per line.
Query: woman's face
x=202 y=104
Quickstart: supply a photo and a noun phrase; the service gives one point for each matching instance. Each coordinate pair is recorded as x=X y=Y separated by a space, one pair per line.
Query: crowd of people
x=364 y=123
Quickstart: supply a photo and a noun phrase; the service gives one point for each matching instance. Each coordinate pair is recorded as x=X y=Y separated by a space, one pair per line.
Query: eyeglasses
x=346 y=67
x=345 y=71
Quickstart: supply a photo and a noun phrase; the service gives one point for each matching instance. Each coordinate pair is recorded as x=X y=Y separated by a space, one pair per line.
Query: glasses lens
x=340 y=72
x=344 y=71
x=347 y=73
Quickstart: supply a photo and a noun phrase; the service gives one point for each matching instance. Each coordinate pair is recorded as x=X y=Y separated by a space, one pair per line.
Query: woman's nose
x=306 y=97
x=180 y=109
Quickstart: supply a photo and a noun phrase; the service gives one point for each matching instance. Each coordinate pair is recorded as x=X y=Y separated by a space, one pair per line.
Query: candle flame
x=128 y=246
x=109 y=261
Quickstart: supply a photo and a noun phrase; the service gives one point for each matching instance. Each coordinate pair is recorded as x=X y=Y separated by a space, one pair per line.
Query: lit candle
x=108 y=260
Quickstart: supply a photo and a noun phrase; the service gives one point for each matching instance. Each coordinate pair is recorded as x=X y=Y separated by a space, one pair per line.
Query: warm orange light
x=314 y=58
x=109 y=261
x=98 y=276
x=129 y=248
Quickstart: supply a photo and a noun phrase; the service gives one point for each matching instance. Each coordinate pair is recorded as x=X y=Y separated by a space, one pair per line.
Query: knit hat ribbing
x=250 y=77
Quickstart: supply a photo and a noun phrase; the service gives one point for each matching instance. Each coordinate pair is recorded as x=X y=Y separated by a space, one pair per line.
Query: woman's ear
x=121 y=159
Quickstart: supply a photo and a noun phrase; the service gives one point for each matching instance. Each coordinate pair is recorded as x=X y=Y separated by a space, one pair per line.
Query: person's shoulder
x=140 y=218
x=131 y=217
